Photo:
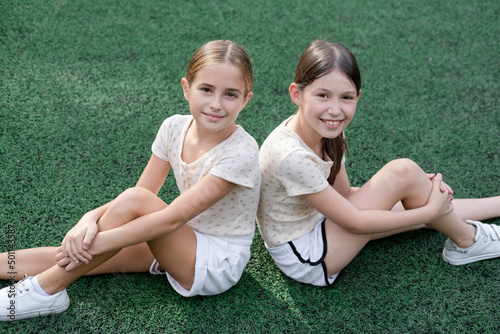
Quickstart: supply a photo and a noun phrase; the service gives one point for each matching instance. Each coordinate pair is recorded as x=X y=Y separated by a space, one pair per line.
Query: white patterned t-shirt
x=234 y=160
x=289 y=170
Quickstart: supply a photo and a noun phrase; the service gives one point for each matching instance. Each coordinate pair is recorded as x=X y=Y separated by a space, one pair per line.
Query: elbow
x=354 y=223
x=355 y=229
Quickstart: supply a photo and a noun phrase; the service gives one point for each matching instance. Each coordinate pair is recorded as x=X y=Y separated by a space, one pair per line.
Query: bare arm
x=342 y=184
x=188 y=205
x=154 y=175
x=339 y=210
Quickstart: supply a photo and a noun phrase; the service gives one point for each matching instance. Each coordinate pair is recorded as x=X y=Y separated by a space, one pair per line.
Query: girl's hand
x=444 y=187
x=64 y=261
x=77 y=241
x=440 y=199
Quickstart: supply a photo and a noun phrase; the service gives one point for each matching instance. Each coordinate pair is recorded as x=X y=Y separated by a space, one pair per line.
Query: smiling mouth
x=213 y=117
x=331 y=123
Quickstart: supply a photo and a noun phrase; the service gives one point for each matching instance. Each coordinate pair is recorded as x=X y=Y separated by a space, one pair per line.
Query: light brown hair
x=221 y=52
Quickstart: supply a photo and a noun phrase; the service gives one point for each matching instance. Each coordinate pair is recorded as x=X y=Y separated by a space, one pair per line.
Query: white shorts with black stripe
x=303 y=259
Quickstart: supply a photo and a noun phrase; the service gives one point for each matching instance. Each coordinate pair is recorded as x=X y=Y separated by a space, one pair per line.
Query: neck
x=211 y=137
x=312 y=140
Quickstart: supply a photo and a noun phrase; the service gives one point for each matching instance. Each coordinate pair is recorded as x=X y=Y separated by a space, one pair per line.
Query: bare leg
x=33 y=261
x=128 y=206
x=473 y=208
x=477 y=208
x=400 y=180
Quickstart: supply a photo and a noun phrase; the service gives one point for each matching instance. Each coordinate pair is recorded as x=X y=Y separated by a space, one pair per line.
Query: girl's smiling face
x=216 y=96
x=326 y=107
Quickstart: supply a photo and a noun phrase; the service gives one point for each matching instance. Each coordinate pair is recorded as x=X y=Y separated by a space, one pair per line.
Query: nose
x=334 y=108
x=215 y=103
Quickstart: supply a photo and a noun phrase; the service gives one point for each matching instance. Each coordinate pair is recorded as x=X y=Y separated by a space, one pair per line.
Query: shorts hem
x=322 y=278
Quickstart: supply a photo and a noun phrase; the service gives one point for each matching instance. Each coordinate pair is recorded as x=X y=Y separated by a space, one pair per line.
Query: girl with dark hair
x=312 y=221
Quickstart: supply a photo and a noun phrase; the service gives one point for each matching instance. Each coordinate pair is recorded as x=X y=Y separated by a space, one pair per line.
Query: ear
x=295 y=93
x=359 y=94
x=185 y=88
x=245 y=100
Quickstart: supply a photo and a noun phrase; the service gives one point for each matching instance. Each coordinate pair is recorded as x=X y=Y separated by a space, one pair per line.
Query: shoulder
x=281 y=143
x=242 y=138
x=240 y=143
x=176 y=121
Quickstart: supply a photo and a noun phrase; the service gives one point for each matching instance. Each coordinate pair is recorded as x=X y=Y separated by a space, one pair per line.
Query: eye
x=323 y=95
x=232 y=95
x=205 y=89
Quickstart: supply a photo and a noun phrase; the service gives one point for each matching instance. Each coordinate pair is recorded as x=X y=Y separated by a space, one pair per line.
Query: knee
x=405 y=173
x=405 y=168
x=132 y=199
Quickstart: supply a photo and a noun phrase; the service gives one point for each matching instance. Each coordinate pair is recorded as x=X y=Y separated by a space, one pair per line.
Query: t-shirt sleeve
x=162 y=141
x=300 y=174
x=239 y=166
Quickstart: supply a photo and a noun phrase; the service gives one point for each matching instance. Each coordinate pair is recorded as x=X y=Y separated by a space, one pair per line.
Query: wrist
x=91 y=216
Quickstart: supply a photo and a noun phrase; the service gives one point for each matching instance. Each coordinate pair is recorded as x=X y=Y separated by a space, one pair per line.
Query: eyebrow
x=212 y=86
x=329 y=91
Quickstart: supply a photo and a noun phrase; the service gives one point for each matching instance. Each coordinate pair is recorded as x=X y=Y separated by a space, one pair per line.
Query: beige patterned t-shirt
x=234 y=160
x=289 y=170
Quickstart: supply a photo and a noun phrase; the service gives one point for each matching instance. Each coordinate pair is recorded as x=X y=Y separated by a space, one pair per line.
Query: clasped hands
x=75 y=247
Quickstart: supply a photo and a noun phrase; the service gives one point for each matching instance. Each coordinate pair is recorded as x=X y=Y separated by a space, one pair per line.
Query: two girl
x=202 y=239
x=312 y=221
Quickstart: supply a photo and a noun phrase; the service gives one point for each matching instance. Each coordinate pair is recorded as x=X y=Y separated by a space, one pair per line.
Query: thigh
x=399 y=180
x=134 y=259
x=342 y=245
x=176 y=254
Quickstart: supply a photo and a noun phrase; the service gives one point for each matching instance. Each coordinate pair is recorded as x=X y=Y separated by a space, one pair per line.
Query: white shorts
x=303 y=259
x=220 y=261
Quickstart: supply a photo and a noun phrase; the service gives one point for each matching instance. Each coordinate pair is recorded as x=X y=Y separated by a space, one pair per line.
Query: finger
x=89 y=236
x=81 y=255
x=64 y=246
x=64 y=262
x=438 y=176
x=72 y=253
x=436 y=182
x=72 y=265
x=59 y=256
x=450 y=191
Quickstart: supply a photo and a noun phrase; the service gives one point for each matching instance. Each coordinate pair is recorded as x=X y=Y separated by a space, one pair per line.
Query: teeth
x=332 y=122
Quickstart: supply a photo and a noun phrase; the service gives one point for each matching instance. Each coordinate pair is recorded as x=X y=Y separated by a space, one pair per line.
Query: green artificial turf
x=85 y=85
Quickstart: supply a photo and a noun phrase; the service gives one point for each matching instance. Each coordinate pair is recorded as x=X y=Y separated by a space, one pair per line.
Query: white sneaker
x=486 y=245
x=21 y=301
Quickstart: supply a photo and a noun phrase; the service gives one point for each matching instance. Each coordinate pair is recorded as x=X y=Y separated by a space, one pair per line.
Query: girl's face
x=326 y=106
x=216 y=96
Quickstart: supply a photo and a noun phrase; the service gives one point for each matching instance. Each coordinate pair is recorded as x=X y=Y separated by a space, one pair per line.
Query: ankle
x=467 y=239
x=48 y=287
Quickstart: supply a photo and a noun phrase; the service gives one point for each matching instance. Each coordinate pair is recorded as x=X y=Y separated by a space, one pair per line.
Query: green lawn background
x=85 y=85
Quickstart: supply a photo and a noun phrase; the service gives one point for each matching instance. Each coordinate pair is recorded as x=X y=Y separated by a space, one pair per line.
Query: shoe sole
x=470 y=259
x=35 y=314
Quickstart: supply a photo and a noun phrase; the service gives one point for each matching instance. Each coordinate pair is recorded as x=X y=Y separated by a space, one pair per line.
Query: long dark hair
x=320 y=58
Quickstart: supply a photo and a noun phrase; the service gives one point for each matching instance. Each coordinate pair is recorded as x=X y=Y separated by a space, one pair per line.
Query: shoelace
x=20 y=286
